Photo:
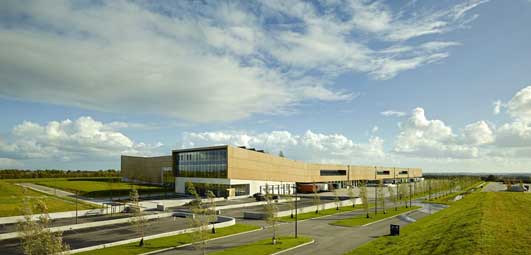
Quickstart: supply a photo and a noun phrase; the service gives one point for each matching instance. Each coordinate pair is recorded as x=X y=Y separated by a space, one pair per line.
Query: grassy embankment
x=93 y=187
x=448 y=199
x=264 y=247
x=12 y=200
x=480 y=223
x=167 y=242
x=362 y=219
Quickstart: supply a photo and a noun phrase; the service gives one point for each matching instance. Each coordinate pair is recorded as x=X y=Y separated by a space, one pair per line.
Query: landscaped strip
x=264 y=247
x=449 y=198
x=167 y=242
x=321 y=213
x=362 y=219
x=480 y=223
x=12 y=200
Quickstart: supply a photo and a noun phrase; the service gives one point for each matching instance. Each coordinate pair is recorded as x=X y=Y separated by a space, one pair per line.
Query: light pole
x=296 y=210
x=76 y=206
x=396 y=183
x=375 y=192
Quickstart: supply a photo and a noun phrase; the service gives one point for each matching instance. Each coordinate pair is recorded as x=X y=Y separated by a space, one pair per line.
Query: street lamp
x=296 y=209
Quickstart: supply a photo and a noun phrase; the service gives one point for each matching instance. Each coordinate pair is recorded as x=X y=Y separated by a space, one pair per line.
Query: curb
x=127 y=241
x=188 y=244
x=293 y=248
x=370 y=223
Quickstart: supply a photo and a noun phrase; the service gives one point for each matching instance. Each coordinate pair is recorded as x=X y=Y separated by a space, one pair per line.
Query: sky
x=444 y=85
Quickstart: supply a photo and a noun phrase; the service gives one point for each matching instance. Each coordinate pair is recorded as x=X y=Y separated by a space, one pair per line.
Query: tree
x=352 y=196
x=337 y=201
x=364 y=198
x=381 y=195
x=403 y=192
x=281 y=154
x=291 y=204
x=392 y=195
x=138 y=219
x=199 y=219
x=212 y=210
x=35 y=236
x=316 y=198
x=271 y=214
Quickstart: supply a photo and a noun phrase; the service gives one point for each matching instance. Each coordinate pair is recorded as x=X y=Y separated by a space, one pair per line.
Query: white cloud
x=7 y=163
x=310 y=146
x=478 y=133
x=375 y=129
x=497 y=107
x=421 y=137
x=390 y=113
x=519 y=107
x=215 y=62
x=84 y=138
x=514 y=134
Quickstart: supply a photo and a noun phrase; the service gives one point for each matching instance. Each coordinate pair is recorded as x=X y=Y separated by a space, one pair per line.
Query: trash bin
x=395 y=230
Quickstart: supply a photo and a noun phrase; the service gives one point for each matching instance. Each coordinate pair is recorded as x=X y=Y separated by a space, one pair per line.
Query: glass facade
x=203 y=164
x=333 y=172
x=220 y=190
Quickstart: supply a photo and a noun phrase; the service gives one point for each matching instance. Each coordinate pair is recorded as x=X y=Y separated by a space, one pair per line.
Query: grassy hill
x=481 y=223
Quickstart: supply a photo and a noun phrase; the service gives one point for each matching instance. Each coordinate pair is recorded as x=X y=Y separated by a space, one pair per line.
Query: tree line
x=55 y=173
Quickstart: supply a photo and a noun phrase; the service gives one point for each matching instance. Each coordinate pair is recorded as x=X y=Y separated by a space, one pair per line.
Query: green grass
x=311 y=215
x=12 y=198
x=362 y=219
x=480 y=223
x=167 y=242
x=93 y=187
x=265 y=246
x=449 y=198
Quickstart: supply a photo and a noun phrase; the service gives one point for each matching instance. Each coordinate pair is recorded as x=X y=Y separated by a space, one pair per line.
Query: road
x=106 y=234
x=494 y=187
x=329 y=239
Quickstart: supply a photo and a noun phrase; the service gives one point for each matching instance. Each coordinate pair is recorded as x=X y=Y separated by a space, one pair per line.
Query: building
x=150 y=170
x=240 y=171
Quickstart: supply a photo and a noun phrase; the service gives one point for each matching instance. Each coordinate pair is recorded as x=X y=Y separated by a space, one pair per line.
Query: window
x=333 y=172
x=383 y=172
x=206 y=164
x=403 y=172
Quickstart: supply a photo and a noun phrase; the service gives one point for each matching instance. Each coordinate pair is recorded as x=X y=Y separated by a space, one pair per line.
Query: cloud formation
x=67 y=140
x=309 y=146
x=217 y=62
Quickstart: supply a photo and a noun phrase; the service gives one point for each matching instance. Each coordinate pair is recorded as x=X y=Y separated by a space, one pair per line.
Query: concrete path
x=328 y=239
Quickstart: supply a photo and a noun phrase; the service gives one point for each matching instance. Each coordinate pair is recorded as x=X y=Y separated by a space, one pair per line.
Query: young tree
x=35 y=236
x=316 y=198
x=199 y=219
x=138 y=219
x=403 y=192
x=212 y=210
x=291 y=204
x=271 y=214
x=352 y=196
x=381 y=195
x=392 y=195
x=337 y=201
x=364 y=198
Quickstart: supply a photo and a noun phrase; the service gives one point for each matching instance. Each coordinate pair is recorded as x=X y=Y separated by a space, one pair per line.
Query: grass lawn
x=12 y=198
x=93 y=187
x=362 y=219
x=449 y=199
x=480 y=223
x=166 y=242
x=264 y=247
x=310 y=215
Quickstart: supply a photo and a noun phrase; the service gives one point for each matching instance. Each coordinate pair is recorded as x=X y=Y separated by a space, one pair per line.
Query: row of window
x=333 y=172
x=205 y=164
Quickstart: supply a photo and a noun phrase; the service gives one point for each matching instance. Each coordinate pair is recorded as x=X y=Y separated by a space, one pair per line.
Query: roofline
x=202 y=148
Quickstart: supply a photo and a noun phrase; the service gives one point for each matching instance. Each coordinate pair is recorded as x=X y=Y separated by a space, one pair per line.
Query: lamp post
x=76 y=206
x=296 y=210
x=375 y=192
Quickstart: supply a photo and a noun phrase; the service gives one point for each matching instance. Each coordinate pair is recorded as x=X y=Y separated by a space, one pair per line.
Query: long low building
x=237 y=171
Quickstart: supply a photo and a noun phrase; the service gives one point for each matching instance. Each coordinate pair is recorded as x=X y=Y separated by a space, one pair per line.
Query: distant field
x=12 y=197
x=480 y=223
x=94 y=187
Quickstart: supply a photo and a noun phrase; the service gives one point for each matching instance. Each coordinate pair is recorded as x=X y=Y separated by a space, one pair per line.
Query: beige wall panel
x=145 y=169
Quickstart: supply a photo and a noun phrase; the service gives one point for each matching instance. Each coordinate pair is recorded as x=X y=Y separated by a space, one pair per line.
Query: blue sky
x=442 y=85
